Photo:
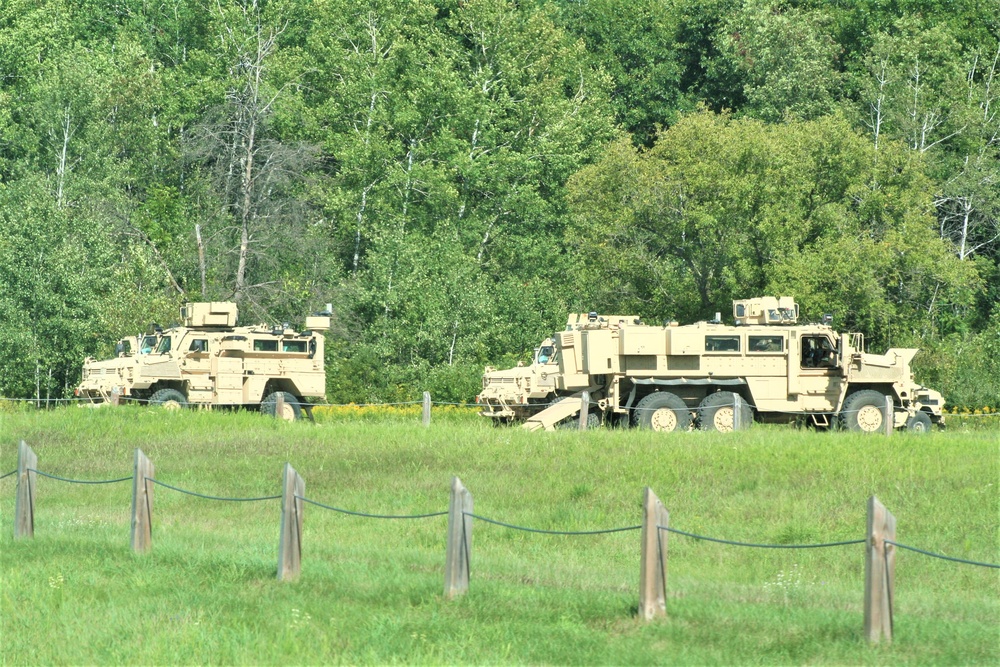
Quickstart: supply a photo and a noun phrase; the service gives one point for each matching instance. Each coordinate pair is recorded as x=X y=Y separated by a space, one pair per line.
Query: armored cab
x=518 y=393
x=207 y=360
x=710 y=375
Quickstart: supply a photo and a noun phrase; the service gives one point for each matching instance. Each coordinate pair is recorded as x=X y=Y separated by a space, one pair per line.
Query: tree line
x=454 y=176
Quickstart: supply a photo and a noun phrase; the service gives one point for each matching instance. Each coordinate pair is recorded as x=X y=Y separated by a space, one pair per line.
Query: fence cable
x=201 y=495
x=761 y=546
x=6 y=475
x=551 y=532
x=928 y=553
x=370 y=516
x=79 y=481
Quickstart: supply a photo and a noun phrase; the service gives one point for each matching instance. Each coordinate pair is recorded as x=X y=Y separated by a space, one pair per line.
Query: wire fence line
x=760 y=546
x=8 y=474
x=551 y=532
x=42 y=402
x=942 y=557
x=80 y=481
x=370 y=516
x=513 y=526
x=207 y=497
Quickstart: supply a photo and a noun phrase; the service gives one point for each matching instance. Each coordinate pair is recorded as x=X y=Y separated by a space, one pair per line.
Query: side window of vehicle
x=265 y=345
x=198 y=345
x=766 y=343
x=818 y=352
x=722 y=343
x=293 y=346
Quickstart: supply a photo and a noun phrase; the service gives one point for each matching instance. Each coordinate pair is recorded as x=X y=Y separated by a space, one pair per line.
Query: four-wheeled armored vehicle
x=765 y=367
x=209 y=361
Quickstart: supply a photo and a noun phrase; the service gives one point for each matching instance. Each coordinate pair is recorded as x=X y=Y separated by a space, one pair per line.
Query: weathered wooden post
x=24 y=503
x=290 y=544
x=279 y=405
x=459 y=548
x=653 y=562
x=880 y=572
x=142 y=504
x=584 y=410
x=427 y=408
x=890 y=419
x=737 y=412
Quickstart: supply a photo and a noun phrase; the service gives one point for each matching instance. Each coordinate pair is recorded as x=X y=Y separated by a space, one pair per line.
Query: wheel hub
x=870 y=418
x=723 y=420
x=664 y=419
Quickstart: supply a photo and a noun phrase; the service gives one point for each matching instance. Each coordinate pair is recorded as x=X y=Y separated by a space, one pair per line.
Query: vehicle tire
x=919 y=423
x=662 y=411
x=716 y=412
x=292 y=410
x=864 y=411
x=169 y=399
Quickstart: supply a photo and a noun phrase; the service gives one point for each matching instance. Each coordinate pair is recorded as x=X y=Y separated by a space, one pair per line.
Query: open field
x=371 y=590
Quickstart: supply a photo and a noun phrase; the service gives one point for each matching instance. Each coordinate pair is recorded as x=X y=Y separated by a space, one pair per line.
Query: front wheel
x=168 y=399
x=919 y=423
x=291 y=411
x=864 y=411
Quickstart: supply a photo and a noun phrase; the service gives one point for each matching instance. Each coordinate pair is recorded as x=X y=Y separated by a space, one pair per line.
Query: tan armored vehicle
x=207 y=360
x=525 y=390
x=713 y=376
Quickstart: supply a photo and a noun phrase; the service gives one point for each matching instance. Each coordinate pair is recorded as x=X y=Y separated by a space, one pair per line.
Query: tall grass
x=371 y=590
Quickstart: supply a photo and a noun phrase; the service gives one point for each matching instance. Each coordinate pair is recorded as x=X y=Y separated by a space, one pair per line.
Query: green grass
x=371 y=590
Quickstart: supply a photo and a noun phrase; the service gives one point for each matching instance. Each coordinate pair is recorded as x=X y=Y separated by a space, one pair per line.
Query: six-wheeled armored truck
x=765 y=367
x=209 y=361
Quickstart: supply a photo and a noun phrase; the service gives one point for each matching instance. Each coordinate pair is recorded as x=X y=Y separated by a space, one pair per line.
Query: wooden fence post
x=290 y=544
x=24 y=503
x=279 y=405
x=737 y=412
x=427 y=408
x=880 y=572
x=890 y=419
x=653 y=562
x=459 y=547
x=142 y=504
x=584 y=409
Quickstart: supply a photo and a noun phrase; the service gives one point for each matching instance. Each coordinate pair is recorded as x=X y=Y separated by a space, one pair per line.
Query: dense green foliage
x=371 y=590
x=455 y=176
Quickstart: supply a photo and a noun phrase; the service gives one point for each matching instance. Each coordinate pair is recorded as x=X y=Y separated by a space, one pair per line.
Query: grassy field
x=371 y=590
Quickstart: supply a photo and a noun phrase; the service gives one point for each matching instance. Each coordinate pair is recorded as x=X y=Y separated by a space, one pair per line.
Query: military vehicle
x=766 y=367
x=519 y=393
x=209 y=361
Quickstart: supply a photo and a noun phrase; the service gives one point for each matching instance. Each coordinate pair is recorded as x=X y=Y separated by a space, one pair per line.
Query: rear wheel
x=290 y=411
x=864 y=411
x=168 y=399
x=919 y=423
x=717 y=411
x=662 y=411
